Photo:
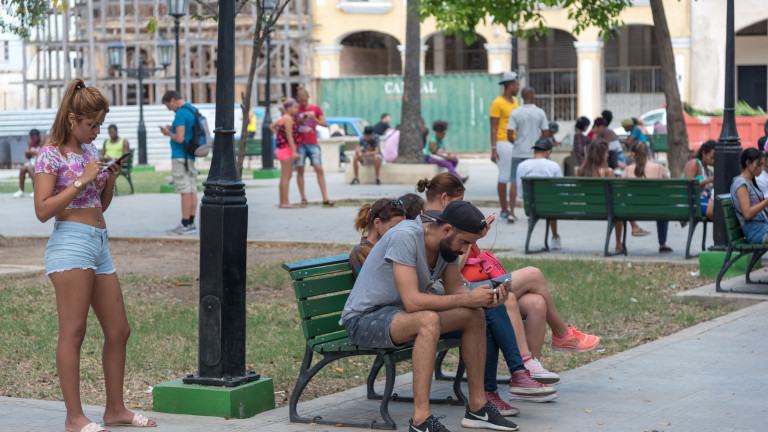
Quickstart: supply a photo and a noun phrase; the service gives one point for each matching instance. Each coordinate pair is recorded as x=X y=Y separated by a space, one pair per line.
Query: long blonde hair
x=595 y=162
x=84 y=102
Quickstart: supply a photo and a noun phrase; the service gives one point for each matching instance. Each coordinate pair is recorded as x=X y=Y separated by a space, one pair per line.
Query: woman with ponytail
x=287 y=137
x=748 y=200
x=643 y=167
x=373 y=221
x=75 y=188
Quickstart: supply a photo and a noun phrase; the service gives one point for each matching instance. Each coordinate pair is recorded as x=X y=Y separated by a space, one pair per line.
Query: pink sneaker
x=539 y=373
x=502 y=407
x=575 y=341
x=521 y=384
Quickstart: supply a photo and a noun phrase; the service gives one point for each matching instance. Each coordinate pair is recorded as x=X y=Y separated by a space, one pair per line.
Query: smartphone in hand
x=123 y=157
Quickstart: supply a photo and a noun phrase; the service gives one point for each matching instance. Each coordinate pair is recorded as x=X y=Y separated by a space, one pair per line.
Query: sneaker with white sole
x=518 y=398
x=539 y=373
x=556 y=245
x=487 y=417
x=431 y=424
x=189 y=229
x=521 y=384
x=501 y=406
x=18 y=194
x=179 y=230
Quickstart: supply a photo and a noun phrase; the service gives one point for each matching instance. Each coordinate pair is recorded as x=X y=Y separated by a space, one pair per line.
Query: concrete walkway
x=150 y=215
x=705 y=378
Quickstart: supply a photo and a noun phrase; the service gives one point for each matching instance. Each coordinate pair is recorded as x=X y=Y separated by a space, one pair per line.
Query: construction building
x=73 y=43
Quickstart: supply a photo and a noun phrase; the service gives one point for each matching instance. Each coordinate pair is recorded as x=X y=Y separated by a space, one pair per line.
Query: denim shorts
x=78 y=246
x=513 y=171
x=755 y=232
x=311 y=151
x=371 y=329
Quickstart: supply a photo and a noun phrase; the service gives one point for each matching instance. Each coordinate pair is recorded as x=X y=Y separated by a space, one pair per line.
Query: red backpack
x=481 y=265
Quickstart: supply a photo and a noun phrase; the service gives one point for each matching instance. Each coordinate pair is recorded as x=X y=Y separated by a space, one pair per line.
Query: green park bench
x=613 y=200
x=322 y=286
x=659 y=143
x=253 y=147
x=126 y=172
x=737 y=243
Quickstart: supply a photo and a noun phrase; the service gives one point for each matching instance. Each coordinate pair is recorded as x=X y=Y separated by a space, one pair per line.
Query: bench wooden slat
x=322 y=306
x=316 y=264
x=320 y=326
x=319 y=340
x=651 y=200
x=324 y=285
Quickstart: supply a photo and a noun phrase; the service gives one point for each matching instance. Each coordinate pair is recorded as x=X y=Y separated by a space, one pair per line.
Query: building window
x=632 y=62
x=552 y=74
x=6 y=51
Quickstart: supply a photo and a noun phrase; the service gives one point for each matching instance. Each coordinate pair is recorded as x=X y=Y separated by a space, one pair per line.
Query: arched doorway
x=552 y=74
x=451 y=54
x=369 y=53
x=752 y=64
x=633 y=83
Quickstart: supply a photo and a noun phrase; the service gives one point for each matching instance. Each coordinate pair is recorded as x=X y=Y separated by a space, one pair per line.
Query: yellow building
x=573 y=75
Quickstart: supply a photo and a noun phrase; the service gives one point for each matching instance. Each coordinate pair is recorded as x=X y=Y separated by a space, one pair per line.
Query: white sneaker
x=539 y=373
x=18 y=194
x=189 y=229
x=177 y=231
x=556 y=245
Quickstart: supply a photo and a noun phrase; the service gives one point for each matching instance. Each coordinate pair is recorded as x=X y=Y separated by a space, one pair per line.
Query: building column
x=499 y=57
x=422 y=58
x=590 y=77
x=328 y=60
x=681 y=48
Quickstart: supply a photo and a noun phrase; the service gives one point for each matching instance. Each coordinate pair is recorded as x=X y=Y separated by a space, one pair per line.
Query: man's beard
x=448 y=254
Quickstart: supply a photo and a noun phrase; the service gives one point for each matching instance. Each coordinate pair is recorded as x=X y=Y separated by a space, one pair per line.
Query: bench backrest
x=659 y=143
x=565 y=198
x=322 y=286
x=654 y=199
x=732 y=225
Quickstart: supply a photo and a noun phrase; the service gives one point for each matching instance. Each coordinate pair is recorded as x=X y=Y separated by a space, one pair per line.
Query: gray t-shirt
x=755 y=197
x=375 y=285
x=528 y=120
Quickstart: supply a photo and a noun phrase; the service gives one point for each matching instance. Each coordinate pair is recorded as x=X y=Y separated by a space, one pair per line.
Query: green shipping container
x=463 y=100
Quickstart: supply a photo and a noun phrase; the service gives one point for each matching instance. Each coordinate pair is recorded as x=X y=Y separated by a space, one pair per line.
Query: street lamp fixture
x=116 y=53
x=267 y=159
x=177 y=9
x=513 y=38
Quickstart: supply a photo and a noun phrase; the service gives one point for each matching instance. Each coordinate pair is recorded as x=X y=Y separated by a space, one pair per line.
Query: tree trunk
x=411 y=147
x=677 y=134
x=258 y=41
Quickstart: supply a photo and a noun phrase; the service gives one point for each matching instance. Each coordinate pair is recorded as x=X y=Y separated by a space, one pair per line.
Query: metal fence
x=634 y=79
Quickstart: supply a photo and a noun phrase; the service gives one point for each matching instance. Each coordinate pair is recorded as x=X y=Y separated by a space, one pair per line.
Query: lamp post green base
x=262 y=174
x=140 y=168
x=243 y=401
x=710 y=263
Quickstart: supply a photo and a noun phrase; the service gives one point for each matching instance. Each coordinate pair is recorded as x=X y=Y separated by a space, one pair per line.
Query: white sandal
x=138 y=421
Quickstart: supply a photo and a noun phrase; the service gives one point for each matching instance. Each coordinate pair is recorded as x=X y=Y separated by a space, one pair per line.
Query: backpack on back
x=198 y=145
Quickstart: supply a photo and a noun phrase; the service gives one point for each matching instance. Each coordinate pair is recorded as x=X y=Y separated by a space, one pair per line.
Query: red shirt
x=307 y=128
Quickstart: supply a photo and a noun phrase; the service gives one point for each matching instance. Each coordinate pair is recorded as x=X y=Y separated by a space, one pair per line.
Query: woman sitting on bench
x=748 y=202
x=372 y=221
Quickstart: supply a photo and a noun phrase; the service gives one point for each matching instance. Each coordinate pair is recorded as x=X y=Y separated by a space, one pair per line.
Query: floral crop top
x=50 y=161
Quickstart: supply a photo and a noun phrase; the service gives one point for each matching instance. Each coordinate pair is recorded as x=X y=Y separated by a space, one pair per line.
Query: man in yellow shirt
x=501 y=148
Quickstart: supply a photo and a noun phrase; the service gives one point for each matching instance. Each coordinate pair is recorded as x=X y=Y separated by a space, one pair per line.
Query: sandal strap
x=92 y=427
x=139 y=420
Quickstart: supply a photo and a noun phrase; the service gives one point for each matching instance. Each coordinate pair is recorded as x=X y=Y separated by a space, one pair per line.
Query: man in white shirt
x=525 y=125
x=541 y=166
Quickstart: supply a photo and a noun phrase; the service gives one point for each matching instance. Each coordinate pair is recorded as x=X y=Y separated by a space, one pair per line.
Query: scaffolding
x=73 y=43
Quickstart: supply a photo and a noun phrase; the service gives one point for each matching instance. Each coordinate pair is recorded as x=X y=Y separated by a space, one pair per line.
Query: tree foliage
x=461 y=16
x=20 y=17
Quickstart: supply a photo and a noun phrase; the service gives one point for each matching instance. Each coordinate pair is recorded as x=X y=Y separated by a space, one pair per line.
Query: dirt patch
x=166 y=258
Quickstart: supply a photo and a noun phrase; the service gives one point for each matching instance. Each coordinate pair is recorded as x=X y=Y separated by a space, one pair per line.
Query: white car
x=650 y=119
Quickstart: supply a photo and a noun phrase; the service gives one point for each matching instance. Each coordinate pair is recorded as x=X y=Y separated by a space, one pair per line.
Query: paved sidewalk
x=149 y=215
x=707 y=378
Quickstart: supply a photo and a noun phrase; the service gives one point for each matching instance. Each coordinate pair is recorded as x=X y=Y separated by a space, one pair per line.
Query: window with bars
x=632 y=63
x=552 y=74
x=6 y=51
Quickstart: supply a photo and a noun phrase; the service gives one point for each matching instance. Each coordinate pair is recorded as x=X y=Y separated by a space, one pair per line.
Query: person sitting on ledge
x=435 y=153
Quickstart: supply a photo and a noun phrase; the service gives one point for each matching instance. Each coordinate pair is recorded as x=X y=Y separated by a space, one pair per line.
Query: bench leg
x=305 y=376
x=457 y=381
x=377 y=364
x=727 y=263
x=755 y=259
x=389 y=386
x=531 y=224
x=130 y=182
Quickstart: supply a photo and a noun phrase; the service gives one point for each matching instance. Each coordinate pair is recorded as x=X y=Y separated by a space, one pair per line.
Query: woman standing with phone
x=76 y=189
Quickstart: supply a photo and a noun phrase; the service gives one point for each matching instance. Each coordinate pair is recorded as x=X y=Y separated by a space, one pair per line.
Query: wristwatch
x=78 y=184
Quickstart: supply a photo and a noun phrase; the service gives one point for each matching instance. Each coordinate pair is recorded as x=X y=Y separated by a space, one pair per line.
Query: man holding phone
x=184 y=174
x=389 y=306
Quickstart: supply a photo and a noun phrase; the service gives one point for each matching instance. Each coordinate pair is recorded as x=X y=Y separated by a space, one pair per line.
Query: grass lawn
x=627 y=305
x=143 y=182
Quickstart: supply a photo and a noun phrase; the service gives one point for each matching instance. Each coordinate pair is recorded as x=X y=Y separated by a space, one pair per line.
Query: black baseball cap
x=543 y=144
x=463 y=216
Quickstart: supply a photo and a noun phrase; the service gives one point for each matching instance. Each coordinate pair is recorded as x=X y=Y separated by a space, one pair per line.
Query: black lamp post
x=223 y=236
x=728 y=148
x=267 y=158
x=513 y=38
x=177 y=9
x=116 y=52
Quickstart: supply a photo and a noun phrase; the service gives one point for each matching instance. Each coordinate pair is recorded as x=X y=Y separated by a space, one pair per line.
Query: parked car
x=649 y=118
x=351 y=126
